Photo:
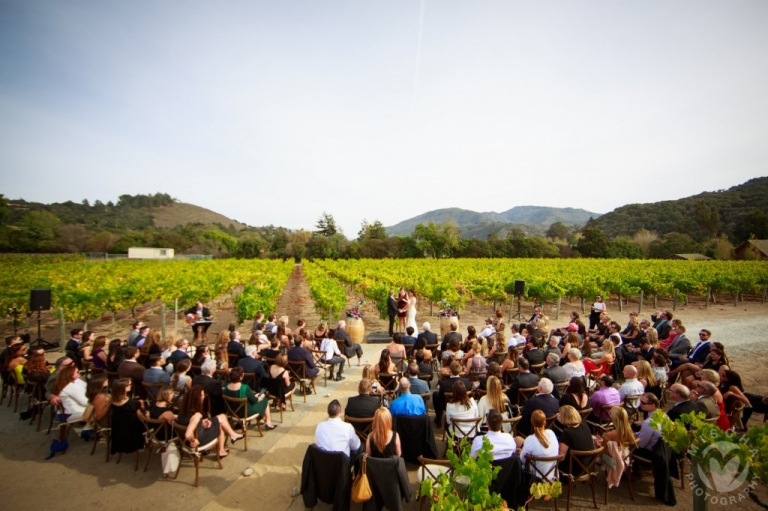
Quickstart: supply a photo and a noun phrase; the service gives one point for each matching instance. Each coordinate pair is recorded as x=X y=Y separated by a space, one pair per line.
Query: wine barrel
x=445 y=324
x=356 y=330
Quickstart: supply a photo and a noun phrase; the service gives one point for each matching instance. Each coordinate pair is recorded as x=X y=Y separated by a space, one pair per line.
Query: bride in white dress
x=411 y=317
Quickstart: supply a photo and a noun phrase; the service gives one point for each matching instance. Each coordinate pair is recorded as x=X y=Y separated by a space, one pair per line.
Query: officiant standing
x=391 y=311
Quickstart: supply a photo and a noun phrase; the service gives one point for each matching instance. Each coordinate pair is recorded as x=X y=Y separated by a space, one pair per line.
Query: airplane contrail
x=418 y=53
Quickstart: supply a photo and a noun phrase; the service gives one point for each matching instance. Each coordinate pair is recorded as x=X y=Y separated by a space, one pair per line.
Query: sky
x=275 y=112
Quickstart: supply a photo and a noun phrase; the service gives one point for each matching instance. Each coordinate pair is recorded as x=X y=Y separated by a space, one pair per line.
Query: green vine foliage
x=481 y=473
x=692 y=434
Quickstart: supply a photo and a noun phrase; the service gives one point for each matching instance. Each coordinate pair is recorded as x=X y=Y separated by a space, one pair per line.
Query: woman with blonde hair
x=495 y=399
x=622 y=432
x=575 y=437
x=222 y=359
x=383 y=442
x=476 y=362
x=221 y=340
x=604 y=362
x=645 y=374
x=542 y=443
x=370 y=374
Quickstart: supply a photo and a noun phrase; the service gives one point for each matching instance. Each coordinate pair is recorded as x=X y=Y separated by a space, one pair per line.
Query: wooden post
x=674 y=302
x=85 y=324
x=621 y=304
x=113 y=320
x=176 y=317
x=582 y=304
x=736 y=299
x=557 y=311
x=62 y=329
x=656 y=302
x=709 y=294
x=431 y=314
x=765 y=292
x=162 y=319
x=640 y=303
x=330 y=317
x=511 y=306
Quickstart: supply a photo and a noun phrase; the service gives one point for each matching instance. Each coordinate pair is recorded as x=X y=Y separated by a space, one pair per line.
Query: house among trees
x=690 y=257
x=752 y=250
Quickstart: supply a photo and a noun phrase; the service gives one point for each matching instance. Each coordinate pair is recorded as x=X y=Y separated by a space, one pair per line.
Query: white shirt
x=533 y=447
x=458 y=411
x=502 y=444
x=631 y=387
x=330 y=347
x=516 y=340
x=483 y=407
x=73 y=398
x=574 y=369
x=487 y=331
x=335 y=435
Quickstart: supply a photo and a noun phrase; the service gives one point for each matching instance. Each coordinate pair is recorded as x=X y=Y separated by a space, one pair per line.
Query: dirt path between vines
x=77 y=480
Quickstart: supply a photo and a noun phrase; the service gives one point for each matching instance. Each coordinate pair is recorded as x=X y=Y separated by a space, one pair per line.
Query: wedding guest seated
x=71 y=391
x=510 y=361
x=161 y=410
x=494 y=399
x=525 y=380
x=425 y=368
x=543 y=400
x=256 y=404
x=576 y=436
x=364 y=405
x=461 y=406
x=542 y=443
x=446 y=385
x=407 y=403
x=418 y=386
x=502 y=444
x=606 y=395
x=155 y=372
x=409 y=338
x=574 y=368
x=554 y=373
x=179 y=354
x=575 y=394
x=211 y=386
x=335 y=435
x=127 y=434
x=396 y=347
x=193 y=416
x=278 y=370
x=385 y=365
x=383 y=442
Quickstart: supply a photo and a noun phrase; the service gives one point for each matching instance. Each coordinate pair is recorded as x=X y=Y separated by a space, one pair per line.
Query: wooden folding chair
x=632 y=405
x=152 y=389
x=399 y=362
x=552 y=474
x=510 y=375
x=588 y=470
x=195 y=453
x=538 y=368
x=477 y=375
x=562 y=387
x=513 y=422
x=469 y=429
x=431 y=469
x=273 y=386
x=298 y=372
x=388 y=384
x=102 y=433
x=321 y=364
x=523 y=395
x=158 y=436
x=17 y=389
x=237 y=412
x=602 y=425
x=366 y=424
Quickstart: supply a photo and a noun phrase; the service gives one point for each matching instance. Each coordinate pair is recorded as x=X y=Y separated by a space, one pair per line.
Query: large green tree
x=37 y=231
x=436 y=240
x=326 y=225
x=593 y=243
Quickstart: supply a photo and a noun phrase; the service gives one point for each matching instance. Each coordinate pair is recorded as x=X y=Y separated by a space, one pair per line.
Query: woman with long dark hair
x=461 y=406
x=202 y=429
x=127 y=430
x=385 y=365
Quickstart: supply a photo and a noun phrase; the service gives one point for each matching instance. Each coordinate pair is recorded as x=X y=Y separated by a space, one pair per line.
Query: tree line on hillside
x=72 y=227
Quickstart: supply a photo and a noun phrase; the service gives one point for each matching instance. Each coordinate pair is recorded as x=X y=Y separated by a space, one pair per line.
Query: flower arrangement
x=356 y=312
x=447 y=310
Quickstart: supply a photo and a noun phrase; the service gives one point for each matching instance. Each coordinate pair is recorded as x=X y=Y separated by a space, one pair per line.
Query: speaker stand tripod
x=40 y=342
x=518 y=315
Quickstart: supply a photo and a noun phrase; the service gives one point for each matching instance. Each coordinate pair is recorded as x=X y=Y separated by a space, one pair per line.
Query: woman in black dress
x=161 y=410
x=127 y=429
x=383 y=442
x=202 y=430
x=575 y=437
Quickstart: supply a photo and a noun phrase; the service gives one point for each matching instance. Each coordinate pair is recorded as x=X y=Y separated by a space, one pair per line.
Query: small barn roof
x=692 y=257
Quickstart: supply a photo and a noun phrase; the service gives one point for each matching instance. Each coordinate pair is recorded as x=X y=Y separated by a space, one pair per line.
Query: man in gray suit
x=418 y=386
x=706 y=403
x=681 y=345
x=554 y=373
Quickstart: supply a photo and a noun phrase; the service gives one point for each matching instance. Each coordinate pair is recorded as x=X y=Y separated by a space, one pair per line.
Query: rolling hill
x=533 y=220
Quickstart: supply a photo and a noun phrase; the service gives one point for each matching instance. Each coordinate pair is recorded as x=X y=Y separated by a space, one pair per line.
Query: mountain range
x=533 y=220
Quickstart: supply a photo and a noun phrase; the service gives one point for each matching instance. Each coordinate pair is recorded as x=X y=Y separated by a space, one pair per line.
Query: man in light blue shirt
x=407 y=403
x=418 y=386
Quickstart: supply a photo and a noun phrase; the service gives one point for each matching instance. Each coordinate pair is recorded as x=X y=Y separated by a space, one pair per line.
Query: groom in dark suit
x=391 y=311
